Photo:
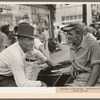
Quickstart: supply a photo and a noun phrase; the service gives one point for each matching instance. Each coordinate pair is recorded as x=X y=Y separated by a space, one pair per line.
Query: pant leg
x=80 y=80
x=7 y=81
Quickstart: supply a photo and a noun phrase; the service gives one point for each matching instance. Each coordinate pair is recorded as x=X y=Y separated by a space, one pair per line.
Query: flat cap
x=73 y=25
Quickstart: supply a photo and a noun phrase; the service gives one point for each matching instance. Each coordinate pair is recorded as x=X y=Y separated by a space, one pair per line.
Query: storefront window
x=12 y=14
x=79 y=17
x=71 y=17
x=75 y=17
x=67 y=17
x=63 y=18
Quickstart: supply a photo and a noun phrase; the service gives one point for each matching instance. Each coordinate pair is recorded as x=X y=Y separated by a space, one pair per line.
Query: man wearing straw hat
x=85 y=57
x=12 y=60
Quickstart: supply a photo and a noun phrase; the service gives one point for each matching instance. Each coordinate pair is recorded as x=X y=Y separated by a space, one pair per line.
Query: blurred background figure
x=5 y=30
x=16 y=29
x=15 y=32
x=46 y=36
x=52 y=45
x=58 y=38
x=88 y=33
x=24 y=18
x=3 y=41
x=56 y=31
x=41 y=35
x=98 y=33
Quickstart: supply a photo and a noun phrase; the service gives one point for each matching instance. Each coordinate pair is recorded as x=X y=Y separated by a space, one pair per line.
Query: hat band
x=21 y=35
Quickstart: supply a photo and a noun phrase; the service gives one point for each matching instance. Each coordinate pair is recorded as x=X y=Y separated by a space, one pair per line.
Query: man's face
x=72 y=36
x=28 y=43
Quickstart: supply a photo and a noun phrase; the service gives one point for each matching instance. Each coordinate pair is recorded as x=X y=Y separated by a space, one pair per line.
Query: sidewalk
x=62 y=55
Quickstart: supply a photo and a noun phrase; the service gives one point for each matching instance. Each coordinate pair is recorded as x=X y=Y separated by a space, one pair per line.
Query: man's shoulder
x=9 y=54
x=12 y=55
x=91 y=42
x=11 y=49
x=2 y=34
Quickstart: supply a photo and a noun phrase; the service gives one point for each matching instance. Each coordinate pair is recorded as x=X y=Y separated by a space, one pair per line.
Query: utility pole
x=84 y=13
x=87 y=14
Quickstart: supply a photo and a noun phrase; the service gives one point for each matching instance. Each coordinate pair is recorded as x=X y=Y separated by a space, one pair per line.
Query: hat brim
x=67 y=29
x=25 y=36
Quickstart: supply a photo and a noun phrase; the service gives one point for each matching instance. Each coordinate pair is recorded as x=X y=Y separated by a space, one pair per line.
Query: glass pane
x=71 y=17
x=63 y=18
x=79 y=16
x=75 y=17
x=67 y=17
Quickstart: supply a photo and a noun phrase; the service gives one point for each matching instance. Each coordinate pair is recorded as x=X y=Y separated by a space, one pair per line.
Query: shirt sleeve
x=95 y=53
x=17 y=68
x=37 y=43
x=39 y=55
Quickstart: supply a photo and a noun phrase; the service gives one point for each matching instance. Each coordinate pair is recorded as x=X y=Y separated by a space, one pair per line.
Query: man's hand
x=43 y=66
x=51 y=63
x=43 y=84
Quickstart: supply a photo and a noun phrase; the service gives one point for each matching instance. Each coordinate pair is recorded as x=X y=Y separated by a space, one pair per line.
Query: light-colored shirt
x=87 y=54
x=12 y=62
x=56 y=31
x=32 y=68
x=37 y=43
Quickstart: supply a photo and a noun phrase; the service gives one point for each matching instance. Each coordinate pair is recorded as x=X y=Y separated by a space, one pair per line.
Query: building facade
x=87 y=13
x=68 y=13
x=39 y=15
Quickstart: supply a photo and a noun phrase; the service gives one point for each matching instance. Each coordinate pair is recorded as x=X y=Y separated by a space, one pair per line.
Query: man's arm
x=93 y=75
x=39 y=45
x=17 y=68
x=43 y=58
x=50 y=63
x=41 y=48
x=95 y=63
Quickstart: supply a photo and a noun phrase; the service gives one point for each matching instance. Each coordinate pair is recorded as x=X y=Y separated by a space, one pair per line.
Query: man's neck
x=24 y=50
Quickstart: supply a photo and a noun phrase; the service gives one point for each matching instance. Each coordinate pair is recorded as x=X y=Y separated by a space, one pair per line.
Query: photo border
x=73 y=96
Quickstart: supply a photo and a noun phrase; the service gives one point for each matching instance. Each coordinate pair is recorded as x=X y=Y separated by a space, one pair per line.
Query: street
x=62 y=55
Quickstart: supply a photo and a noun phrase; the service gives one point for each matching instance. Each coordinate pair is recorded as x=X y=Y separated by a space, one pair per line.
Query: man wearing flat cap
x=85 y=57
x=12 y=60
